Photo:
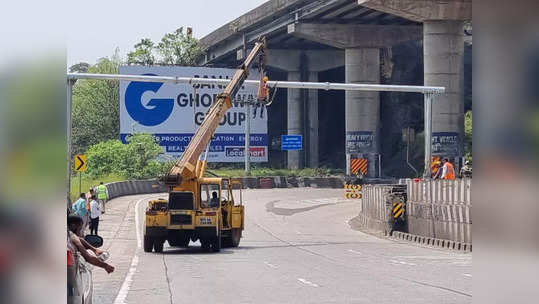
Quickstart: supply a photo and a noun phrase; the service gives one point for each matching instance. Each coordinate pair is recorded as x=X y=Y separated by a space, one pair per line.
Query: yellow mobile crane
x=198 y=207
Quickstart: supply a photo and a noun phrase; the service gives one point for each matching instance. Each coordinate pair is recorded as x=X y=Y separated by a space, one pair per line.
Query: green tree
x=95 y=112
x=135 y=160
x=142 y=151
x=81 y=67
x=143 y=53
x=177 y=48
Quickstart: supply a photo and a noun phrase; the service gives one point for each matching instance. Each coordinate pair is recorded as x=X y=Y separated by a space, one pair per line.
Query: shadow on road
x=270 y=207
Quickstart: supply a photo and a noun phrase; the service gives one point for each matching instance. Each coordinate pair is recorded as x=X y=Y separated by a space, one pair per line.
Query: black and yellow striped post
x=398 y=209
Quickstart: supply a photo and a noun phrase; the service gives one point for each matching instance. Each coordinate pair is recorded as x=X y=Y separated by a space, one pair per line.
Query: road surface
x=297 y=247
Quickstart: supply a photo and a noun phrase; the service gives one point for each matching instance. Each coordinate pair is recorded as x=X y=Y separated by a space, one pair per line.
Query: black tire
x=158 y=245
x=184 y=242
x=205 y=244
x=216 y=244
x=148 y=243
x=227 y=242
x=236 y=237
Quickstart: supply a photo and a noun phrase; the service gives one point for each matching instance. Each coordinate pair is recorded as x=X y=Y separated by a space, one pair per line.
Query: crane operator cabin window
x=209 y=195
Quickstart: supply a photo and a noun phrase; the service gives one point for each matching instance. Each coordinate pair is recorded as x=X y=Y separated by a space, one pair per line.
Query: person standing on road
x=79 y=208
x=102 y=196
x=94 y=215
x=448 y=171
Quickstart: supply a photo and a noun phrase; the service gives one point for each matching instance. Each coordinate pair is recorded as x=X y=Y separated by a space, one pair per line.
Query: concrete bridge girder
x=423 y=10
x=354 y=36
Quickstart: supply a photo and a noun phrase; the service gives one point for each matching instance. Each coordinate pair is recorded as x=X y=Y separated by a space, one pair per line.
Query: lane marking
x=270 y=265
x=467 y=275
x=353 y=251
x=124 y=290
x=307 y=282
x=402 y=263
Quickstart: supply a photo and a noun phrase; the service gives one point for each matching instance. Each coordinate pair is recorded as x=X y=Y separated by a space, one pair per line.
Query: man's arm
x=88 y=246
x=90 y=258
x=444 y=171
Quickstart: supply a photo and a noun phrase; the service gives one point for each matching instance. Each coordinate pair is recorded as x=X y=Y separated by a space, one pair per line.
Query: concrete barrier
x=117 y=189
x=376 y=207
x=440 y=209
x=438 y=212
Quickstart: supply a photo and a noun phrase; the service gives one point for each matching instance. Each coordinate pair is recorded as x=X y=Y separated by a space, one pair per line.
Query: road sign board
x=291 y=142
x=79 y=163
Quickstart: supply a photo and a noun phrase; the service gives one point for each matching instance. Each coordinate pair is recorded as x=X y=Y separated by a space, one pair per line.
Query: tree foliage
x=176 y=48
x=135 y=160
x=143 y=53
x=81 y=67
x=95 y=111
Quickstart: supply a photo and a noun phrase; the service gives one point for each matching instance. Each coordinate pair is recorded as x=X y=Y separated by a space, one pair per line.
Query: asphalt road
x=297 y=247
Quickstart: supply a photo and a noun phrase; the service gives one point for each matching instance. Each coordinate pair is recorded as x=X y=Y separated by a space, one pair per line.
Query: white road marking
x=467 y=275
x=124 y=290
x=298 y=232
x=431 y=257
x=353 y=251
x=307 y=282
x=402 y=263
x=270 y=265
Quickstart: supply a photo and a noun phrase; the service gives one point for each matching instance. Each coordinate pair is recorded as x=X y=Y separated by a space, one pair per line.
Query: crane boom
x=186 y=165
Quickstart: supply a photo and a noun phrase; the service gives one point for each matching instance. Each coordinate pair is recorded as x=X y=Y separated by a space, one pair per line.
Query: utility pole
x=247 y=152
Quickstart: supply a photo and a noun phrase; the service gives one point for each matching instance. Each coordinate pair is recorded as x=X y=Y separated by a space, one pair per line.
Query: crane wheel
x=158 y=245
x=236 y=237
x=205 y=244
x=216 y=244
x=148 y=243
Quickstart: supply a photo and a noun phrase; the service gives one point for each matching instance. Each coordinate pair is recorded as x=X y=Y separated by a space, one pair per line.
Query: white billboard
x=172 y=112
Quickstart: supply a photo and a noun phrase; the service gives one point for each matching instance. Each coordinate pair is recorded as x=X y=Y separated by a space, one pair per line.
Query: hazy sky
x=97 y=27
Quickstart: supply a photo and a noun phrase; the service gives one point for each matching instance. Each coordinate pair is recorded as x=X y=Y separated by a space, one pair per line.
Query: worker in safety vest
x=102 y=196
x=448 y=171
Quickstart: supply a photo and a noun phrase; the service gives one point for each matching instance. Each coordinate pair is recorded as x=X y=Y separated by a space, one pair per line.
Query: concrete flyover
x=325 y=39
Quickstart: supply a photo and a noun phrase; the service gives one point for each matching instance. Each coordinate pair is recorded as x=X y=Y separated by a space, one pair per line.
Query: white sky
x=97 y=27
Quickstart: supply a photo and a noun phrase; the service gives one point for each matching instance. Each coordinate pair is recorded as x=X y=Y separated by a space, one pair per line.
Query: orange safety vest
x=450 y=173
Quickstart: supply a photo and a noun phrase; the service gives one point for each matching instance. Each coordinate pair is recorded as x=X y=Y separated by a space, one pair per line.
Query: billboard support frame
x=428 y=91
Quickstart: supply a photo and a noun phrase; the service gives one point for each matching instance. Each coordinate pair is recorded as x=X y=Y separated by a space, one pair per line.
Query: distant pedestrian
x=79 y=208
x=102 y=196
x=94 y=215
x=448 y=171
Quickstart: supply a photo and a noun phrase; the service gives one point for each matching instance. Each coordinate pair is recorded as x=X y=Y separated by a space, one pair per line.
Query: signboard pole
x=247 y=152
x=428 y=134
x=80 y=182
x=69 y=92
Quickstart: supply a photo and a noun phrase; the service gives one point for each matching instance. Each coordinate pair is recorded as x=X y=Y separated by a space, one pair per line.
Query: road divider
x=117 y=189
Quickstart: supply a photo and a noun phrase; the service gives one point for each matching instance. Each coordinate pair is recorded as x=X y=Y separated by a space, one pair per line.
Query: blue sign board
x=291 y=142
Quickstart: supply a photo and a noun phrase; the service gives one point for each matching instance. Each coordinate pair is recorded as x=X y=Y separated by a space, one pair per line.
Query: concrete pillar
x=294 y=120
x=362 y=109
x=443 y=49
x=313 y=123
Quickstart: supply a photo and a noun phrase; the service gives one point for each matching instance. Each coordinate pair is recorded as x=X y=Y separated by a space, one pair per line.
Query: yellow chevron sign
x=352 y=191
x=79 y=163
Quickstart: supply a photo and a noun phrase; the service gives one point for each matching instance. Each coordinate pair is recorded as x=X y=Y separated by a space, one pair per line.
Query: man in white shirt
x=94 y=215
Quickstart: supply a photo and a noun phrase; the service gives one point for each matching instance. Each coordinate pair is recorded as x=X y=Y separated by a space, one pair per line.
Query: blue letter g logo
x=158 y=110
